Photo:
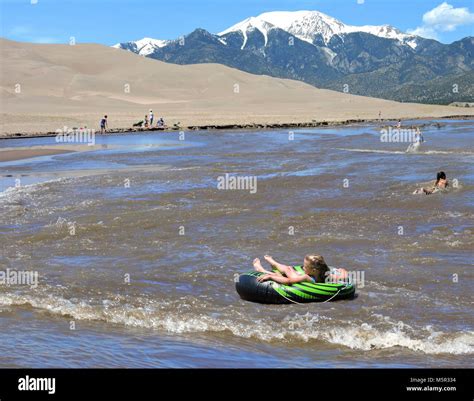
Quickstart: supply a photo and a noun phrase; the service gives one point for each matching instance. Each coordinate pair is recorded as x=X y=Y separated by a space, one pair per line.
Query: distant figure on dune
x=103 y=125
x=440 y=184
x=151 y=118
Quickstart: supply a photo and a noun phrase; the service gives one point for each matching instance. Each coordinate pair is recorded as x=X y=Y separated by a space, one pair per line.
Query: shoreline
x=235 y=127
x=14 y=155
x=21 y=153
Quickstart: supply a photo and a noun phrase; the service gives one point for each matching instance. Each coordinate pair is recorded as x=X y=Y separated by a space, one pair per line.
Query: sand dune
x=46 y=87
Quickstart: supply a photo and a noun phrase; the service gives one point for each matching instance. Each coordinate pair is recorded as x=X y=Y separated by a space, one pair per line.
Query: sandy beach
x=12 y=154
x=19 y=153
x=45 y=88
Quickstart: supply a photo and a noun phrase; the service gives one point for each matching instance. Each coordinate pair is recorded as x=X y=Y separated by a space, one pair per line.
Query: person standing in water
x=418 y=140
x=440 y=183
x=103 y=125
x=421 y=138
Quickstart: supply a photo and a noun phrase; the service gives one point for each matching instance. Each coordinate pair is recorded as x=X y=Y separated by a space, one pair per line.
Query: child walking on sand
x=103 y=125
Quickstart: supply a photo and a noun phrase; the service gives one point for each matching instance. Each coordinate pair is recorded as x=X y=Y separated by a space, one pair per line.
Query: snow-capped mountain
x=318 y=49
x=249 y=25
x=312 y=25
x=143 y=47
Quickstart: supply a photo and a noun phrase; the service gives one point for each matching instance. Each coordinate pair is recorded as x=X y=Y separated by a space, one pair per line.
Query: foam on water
x=12 y=194
x=403 y=152
x=305 y=328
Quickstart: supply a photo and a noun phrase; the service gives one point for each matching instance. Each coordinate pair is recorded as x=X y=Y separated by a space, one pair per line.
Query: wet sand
x=20 y=153
x=11 y=155
x=213 y=126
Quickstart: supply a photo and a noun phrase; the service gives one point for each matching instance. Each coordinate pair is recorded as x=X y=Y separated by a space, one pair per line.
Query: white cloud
x=424 y=32
x=443 y=18
x=26 y=33
x=44 y=39
x=20 y=30
x=447 y=18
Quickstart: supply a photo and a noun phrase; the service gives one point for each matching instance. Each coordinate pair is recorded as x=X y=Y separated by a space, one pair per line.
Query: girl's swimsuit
x=311 y=277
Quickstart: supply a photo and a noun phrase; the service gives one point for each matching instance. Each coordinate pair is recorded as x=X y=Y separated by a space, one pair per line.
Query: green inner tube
x=270 y=292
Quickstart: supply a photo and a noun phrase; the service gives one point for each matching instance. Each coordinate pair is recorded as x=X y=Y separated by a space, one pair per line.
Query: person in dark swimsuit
x=440 y=183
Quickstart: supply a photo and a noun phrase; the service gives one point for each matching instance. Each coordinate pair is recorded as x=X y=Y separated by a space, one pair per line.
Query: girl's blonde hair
x=316 y=266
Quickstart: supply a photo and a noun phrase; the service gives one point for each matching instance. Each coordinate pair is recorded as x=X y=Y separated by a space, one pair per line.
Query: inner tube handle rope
x=288 y=299
x=337 y=293
x=327 y=300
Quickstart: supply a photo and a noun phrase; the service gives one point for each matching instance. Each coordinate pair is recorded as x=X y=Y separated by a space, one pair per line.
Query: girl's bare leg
x=283 y=269
x=258 y=266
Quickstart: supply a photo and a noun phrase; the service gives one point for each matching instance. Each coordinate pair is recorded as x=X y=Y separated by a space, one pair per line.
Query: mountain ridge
x=73 y=86
x=374 y=60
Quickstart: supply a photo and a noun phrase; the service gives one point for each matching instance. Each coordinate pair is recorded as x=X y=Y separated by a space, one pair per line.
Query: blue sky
x=112 y=21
